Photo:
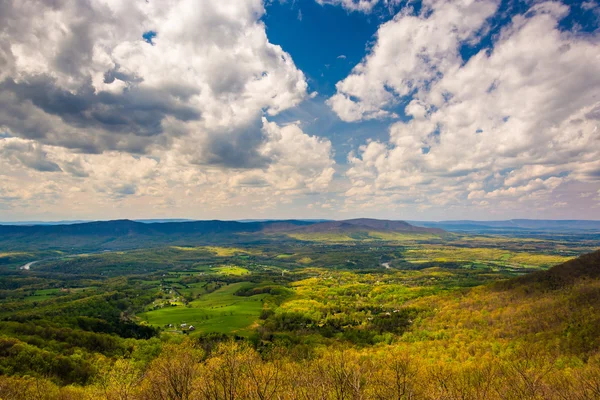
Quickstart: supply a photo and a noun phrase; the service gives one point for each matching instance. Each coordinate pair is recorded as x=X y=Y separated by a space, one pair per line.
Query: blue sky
x=467 y=109
x=326 y=42
x=326 y=52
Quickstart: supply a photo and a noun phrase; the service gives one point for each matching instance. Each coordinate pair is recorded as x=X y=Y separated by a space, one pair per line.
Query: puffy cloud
x=109 y=105
x=411 y=52
x=29 y=154
x=300 y=164
x=80 y=74
x=365 y=6
x=352 y=5
x=166 y=105
x=514 y=122
x=302 y=161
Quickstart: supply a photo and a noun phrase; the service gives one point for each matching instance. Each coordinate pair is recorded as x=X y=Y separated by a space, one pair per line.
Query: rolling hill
x=123 y=234
x=581 y=269
x=366 y=224
x=513 y=225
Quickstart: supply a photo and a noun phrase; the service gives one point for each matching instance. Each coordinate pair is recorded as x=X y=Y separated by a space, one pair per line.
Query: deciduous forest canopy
x=298 y=309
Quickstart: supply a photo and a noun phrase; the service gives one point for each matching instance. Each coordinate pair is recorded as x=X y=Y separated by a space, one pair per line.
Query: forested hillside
x=126 y=234
x=398 y=318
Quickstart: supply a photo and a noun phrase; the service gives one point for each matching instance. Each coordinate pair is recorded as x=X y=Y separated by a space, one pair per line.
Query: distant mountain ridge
x=513 y=224
x=146 y=221
x=366 y=224
x=452 y=225
x=126 y=233
x=128 y=227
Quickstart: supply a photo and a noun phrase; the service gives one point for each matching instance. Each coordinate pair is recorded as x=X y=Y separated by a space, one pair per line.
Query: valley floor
x=376 y=315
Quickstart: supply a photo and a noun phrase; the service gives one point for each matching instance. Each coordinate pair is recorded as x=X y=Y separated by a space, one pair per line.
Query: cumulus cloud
x=149 y=104
x=514 y=122
x=300 y=164
x=411 y=51
x=28 y=154
x=81 y=75
x=365 y=6
x=352 y=5
x=169 y=105
x=302 y=161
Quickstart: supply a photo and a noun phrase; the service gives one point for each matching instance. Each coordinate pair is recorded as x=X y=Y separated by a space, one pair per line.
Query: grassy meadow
x=219 y=311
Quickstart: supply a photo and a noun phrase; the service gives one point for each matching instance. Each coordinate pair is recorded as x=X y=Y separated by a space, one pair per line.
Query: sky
x=232 y=109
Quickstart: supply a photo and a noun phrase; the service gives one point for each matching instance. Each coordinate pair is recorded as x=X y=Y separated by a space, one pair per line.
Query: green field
x=194 y=290
x=283 y=256
x=230 y=270
x=220 y=311
x=43 y=294
x=452 y=254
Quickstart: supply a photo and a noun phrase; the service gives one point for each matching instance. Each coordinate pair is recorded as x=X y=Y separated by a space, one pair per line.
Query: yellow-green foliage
x=400 y=236
x=447 y=254
x=537 y=259
x=230 y=270
x=322 y=237
x=332 y=294
x=236 y=371
x=496 y=239
x=284 y=256
x=314 y=331
x=14 y=254
x=183 y=248
x=218 y=251
x=333 y=237
x=230 y=251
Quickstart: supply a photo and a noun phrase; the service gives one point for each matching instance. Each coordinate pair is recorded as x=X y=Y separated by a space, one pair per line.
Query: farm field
x=508 y=258
x=220 y=311
x=43 y=294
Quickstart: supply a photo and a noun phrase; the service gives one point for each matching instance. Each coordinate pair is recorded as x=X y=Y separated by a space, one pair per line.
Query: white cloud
x=174 y=122
x=301 y=164
x=210 y=70
x=513 y=123
x=589 y=5
x=100 y=118
x=352 y=5
x=411 y=52
x=365 y=6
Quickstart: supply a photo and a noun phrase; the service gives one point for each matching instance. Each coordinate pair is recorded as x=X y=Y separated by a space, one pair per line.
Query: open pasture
x=220 y=311
x=230 y=270
x=499 y=256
